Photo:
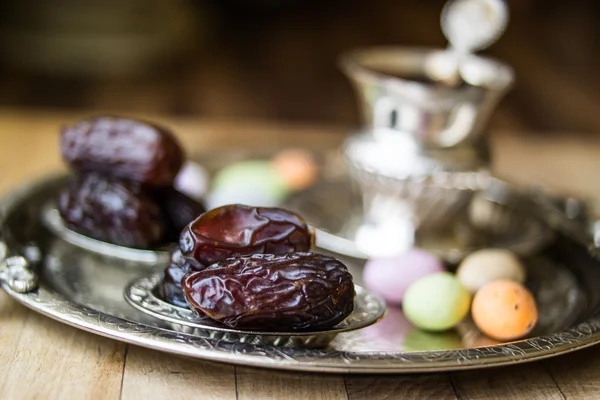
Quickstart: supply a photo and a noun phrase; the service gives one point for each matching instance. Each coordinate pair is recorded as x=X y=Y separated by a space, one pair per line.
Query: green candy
x=251 y=182
x=436 y=302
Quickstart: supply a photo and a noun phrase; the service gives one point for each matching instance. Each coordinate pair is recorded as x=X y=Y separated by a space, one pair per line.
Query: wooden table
x=43 y=359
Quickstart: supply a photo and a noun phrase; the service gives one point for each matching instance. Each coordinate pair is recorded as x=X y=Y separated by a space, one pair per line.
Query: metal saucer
x=52 y=220
x=368 y=309
x=497 y=216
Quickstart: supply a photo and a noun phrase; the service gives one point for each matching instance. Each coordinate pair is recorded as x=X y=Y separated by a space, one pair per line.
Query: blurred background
x=276 y=59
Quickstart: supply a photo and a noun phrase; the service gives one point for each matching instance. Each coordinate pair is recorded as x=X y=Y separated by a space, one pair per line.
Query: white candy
x=487 y=265
x=192 y=180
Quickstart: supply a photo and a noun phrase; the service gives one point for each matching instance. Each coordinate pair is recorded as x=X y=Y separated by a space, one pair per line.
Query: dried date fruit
x=237 y=230
x=114 y=211
x=290 y=292
x=170 y=288
x=178 y=211
x=123 y=148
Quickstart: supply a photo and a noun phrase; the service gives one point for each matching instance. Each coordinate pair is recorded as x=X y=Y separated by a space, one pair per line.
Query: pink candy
x=387 y=334
x=192 y=180
x=390 y=277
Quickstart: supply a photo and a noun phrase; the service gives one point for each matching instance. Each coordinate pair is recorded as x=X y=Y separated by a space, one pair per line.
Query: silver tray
x=85 y=289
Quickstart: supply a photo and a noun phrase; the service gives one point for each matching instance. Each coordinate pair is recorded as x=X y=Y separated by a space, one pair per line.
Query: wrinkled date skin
x=170 y=289
x=113 y=211
x=266 y=292
x=123 y=148
x=237 y=230
x=178 y=210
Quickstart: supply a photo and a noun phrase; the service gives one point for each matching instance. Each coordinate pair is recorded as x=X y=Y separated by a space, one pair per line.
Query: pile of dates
x=245 y=267
x=250 y=268
x=121 y=190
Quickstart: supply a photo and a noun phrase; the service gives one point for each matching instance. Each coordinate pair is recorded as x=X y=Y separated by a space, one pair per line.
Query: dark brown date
x=118 y=212
x=290 y=292
x=237 y=230
x=170 y=288
x=178 y=211
x=123 y=148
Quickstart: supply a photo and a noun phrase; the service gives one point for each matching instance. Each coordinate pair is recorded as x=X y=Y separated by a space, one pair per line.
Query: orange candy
x=504 y=310
x=297 y=168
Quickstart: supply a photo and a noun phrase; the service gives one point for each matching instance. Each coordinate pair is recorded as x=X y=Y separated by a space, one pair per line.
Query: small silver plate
x=368 y=309
x=52 y=220
x=492 y=218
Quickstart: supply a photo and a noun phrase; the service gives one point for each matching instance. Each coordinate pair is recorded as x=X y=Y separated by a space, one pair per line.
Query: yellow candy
x=487 y=265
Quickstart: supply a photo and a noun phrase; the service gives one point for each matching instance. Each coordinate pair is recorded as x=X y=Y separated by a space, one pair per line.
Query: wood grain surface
x=426 y=386
x=148 y=374
x=43 y=359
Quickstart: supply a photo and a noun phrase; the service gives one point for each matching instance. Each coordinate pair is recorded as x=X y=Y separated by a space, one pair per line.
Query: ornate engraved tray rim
x=51 y=303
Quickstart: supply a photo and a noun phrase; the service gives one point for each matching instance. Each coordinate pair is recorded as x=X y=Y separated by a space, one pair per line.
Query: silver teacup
x=423 y=151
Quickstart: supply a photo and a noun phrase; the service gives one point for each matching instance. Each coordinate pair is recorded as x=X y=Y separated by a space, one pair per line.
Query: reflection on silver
x=53 y=221
x=403 y=193
x=497 y=216
x=16 y=272
x=368 y=309
x=423 y=94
